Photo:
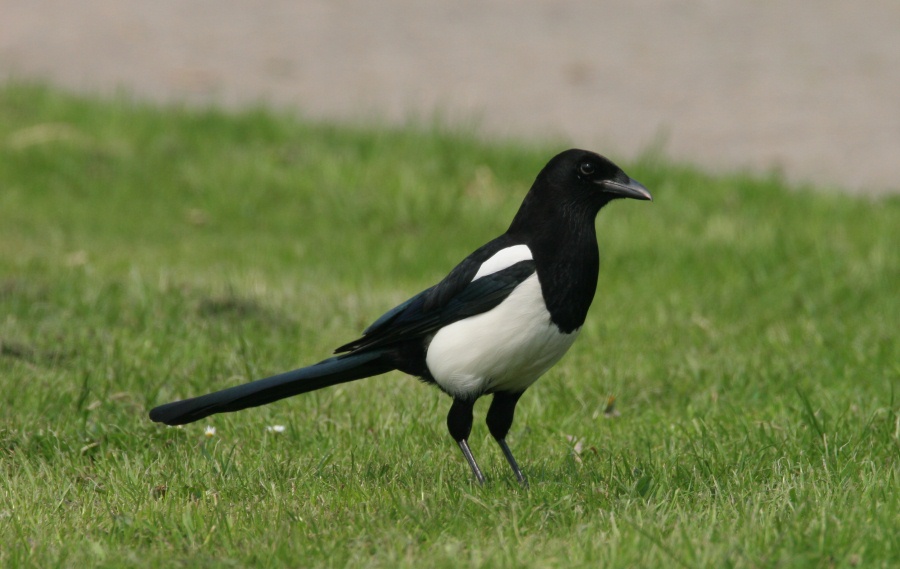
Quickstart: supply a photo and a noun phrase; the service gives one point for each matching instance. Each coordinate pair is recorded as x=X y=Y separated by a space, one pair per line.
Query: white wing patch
x=503 y=259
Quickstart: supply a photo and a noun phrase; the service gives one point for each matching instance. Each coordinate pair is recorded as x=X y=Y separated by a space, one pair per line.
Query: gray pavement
x=810 y=88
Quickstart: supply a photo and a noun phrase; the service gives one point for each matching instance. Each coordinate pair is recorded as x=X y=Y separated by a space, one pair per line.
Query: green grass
x=748 y=330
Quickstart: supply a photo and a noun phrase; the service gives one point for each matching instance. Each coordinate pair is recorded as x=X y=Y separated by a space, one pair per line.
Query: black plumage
x=497 y=322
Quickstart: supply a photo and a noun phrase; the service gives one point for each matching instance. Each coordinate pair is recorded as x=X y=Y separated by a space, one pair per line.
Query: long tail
x=332 y=371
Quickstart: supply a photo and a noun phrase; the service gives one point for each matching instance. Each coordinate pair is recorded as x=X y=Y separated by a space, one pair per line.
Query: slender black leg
x=499 y=420
x=464 y=447
x=459 y=423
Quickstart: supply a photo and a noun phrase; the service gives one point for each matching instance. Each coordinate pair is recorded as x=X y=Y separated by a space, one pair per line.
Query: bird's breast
x=504 y=349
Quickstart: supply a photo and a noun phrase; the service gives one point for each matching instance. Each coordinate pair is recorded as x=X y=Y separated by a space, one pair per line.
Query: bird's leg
x=464 y=447
x=499 y=420
x=459 y=423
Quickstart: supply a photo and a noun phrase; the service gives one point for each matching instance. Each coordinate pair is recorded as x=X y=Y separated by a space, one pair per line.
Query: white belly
x=505 y=349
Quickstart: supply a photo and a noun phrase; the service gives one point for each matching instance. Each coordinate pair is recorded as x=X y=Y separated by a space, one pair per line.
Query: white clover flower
x=276 y=428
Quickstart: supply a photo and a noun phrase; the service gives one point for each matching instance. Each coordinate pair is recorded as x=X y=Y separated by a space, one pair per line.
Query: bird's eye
x=586 y=168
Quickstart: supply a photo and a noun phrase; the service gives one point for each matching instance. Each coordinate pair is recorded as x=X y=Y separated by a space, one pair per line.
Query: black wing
x=454 y=298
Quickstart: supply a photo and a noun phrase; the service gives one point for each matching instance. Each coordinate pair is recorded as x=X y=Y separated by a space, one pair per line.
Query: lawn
x=748 y=330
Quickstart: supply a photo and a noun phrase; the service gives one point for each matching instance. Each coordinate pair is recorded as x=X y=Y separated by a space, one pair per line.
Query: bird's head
x=585 y=175
x=571 y=189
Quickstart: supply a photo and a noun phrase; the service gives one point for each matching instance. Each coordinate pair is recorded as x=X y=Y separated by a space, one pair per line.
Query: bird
x=496 y=323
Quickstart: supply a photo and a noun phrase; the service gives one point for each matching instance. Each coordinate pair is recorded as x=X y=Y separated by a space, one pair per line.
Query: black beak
x=631 y=189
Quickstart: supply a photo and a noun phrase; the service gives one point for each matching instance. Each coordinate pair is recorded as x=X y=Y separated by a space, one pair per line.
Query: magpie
x=500 y=319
